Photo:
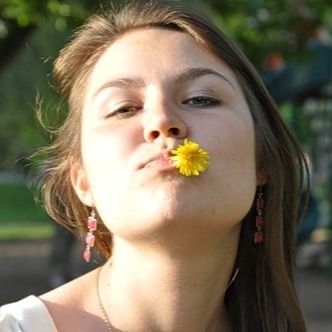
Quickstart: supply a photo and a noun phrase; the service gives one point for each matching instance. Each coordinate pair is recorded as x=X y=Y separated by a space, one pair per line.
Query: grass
x=25 y=231
x=18 y=205
x=20 y=217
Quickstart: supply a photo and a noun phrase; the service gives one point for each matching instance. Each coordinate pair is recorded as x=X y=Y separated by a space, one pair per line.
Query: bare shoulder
x=71 y=291
x=74 y=304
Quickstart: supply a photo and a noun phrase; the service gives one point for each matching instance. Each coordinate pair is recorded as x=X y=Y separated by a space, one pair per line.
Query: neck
x=159 y=289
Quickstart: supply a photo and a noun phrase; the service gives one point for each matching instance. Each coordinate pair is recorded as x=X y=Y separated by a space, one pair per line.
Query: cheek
x=109 y=144
x=235 y=140
x=235 y=165
x=242 y=154
x=106 y=154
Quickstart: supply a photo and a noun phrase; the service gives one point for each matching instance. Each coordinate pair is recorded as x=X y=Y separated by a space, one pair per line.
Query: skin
x=175 y=237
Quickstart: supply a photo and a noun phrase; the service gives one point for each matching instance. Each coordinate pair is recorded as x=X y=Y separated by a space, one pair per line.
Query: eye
x=122 y=112
x=202 y=101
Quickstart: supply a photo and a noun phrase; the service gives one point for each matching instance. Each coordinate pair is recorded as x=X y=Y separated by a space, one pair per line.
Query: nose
x=163 y=122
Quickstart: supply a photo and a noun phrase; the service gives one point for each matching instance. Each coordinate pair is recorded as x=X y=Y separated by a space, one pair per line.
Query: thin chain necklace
x=101 y=306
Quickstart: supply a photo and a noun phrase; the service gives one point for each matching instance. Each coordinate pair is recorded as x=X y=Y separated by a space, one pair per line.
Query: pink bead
x=87 y=255
x=259 y=220
x=260 y=203
x=92 y=224
x=259 y=237
x=90 y=240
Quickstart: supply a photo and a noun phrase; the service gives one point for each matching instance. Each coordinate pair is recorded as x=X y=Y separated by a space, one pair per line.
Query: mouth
x=161 y=162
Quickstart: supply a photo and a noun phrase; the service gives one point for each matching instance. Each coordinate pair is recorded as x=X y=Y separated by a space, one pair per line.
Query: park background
x=289 y=42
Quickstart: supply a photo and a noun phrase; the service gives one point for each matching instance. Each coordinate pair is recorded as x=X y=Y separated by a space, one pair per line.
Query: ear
x=80 y=183
x=261 y=177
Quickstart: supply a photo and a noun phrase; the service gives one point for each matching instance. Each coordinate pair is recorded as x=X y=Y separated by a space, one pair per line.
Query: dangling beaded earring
x=90 y=238
x=259 y=233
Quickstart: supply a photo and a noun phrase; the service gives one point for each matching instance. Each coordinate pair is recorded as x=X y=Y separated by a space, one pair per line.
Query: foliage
x=37 y=12
x=260 y=26
x=30 y=32
x=20 y=83
x=265 y=26
x=17 y=205
x=27 y=231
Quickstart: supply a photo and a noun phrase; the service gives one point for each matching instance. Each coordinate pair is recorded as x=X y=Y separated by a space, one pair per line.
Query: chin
x=148 y=223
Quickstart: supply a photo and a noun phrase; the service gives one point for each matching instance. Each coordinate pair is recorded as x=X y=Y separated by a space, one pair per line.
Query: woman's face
x=151 y=89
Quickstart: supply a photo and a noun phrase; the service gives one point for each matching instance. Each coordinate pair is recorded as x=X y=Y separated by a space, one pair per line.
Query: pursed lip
x=160 y=161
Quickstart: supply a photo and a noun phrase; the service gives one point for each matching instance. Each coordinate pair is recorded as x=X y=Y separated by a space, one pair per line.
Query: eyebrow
x=185 y=76
x=197 y=72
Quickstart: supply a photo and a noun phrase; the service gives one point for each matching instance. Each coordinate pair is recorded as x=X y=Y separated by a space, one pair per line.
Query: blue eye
x=202 y=101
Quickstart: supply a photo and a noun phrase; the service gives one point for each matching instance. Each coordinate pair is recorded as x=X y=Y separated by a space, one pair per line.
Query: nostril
x=170 y=132
x=154 y=134
x=174 y=131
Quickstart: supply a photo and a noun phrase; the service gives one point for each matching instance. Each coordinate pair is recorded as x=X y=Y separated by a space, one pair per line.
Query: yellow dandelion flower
x=190 y=159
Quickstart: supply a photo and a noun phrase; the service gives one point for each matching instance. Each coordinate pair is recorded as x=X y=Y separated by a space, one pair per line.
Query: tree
x=20 y=18
x=265 y=26
x=30 y=33
x=260 y=26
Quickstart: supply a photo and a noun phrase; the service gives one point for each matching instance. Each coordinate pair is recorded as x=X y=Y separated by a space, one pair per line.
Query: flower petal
x=190 y=159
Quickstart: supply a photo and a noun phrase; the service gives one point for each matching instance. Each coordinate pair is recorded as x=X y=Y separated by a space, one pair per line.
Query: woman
x=148 y=85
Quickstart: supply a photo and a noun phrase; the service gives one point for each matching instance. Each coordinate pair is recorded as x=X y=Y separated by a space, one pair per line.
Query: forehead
x=155 y=53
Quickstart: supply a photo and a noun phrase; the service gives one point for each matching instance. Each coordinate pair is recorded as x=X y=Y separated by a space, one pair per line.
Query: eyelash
x=124 y=112
x=128 y=111
x=208 y=101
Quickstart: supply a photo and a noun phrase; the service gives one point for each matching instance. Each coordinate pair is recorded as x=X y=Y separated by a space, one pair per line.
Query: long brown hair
x=263 y=296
